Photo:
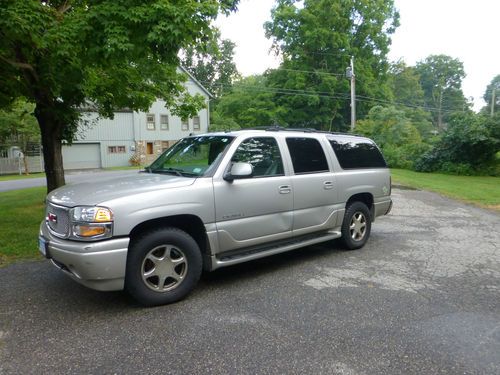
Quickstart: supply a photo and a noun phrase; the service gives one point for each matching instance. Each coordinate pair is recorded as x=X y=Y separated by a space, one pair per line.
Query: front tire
x=163 y=266
x=356 y=226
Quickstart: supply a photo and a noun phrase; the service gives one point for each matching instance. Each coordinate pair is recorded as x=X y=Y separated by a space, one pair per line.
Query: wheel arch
x=191 y=224
x=367 y=199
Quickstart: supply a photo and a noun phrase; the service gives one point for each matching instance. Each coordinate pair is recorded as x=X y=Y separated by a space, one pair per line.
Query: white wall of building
x=118 y=138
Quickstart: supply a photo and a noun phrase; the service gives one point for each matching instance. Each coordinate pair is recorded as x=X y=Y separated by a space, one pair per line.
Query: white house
x=133 y=137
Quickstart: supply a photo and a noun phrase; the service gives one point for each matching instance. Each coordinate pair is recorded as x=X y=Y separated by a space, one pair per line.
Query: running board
x=245 y=255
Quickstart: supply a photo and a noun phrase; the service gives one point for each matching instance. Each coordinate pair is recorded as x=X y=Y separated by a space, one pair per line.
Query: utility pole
x=350 y=75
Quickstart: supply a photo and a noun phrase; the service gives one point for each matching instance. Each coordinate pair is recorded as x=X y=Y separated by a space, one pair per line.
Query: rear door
x=314 y=186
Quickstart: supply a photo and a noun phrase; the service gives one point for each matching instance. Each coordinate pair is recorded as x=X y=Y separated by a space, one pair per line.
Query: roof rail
x=304 y=130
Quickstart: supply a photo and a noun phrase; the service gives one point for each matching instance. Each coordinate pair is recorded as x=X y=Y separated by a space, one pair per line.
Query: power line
x=310 y=72
x=359 y=98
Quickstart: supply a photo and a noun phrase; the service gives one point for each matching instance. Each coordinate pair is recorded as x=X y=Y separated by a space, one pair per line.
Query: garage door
x=82 y=156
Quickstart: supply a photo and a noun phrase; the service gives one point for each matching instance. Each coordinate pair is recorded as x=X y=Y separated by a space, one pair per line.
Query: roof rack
x=304 y=130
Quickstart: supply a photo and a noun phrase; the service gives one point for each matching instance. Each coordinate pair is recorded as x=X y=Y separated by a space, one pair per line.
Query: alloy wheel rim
x=164 y=268
x=357 y=227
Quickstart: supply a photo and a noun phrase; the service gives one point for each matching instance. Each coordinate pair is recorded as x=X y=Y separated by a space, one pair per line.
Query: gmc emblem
x=52 y=217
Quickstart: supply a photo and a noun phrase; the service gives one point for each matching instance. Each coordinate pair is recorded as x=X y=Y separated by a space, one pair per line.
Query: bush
x=468 y=147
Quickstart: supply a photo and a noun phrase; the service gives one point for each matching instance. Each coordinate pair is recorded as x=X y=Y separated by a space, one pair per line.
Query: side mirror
x=239 y=171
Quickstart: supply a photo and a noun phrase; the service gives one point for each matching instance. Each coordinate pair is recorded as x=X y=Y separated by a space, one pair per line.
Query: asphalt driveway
x=70 y=177
x=423 y=297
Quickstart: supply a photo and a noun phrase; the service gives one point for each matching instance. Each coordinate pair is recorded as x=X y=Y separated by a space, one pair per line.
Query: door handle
x=285 y=189
x=328 y=185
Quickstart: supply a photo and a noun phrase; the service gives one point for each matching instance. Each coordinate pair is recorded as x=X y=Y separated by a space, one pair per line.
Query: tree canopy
x=62 y=54
x=441 y=79
x=250 y=104
x=494 y=85
x=214 y=67
x=316 y=39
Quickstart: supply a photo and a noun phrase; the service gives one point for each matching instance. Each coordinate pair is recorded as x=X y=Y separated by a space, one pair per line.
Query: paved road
x=71 y=177
x=423 y=297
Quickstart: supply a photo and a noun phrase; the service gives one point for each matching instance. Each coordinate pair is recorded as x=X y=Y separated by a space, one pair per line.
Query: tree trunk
x=25 y=160
x=51 y=132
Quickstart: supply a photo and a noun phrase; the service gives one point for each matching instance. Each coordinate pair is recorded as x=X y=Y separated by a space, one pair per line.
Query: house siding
x=129 y=129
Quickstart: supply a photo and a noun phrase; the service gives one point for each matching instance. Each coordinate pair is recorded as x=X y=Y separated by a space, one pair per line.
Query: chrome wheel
x=164 y=268
x=357 y=227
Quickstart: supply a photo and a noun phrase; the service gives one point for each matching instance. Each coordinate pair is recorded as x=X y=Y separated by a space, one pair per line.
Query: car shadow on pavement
x=272 y=264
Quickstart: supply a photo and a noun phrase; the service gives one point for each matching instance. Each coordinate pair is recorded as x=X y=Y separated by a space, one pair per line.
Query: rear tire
x=163 y=266
x=356 y=226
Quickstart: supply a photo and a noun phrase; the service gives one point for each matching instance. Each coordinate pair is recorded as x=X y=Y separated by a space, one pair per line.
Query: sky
x=463 y=29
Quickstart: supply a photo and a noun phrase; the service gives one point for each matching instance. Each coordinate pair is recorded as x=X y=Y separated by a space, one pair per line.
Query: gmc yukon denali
x=214 y=200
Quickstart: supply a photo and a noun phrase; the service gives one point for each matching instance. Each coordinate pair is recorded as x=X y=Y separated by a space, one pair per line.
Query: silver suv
x=211 y=201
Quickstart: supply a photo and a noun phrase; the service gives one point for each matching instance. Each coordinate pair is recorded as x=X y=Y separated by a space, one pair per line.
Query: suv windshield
x=191 y=157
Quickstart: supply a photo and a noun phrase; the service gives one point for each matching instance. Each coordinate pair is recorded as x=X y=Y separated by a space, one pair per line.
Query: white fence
x=16 y=165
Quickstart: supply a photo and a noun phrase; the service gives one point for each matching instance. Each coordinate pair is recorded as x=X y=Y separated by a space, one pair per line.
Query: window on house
x=196 y=123
x=116 y=149
x=150 y=122
x=149 y=148
x=185 y=124
x=164 y=122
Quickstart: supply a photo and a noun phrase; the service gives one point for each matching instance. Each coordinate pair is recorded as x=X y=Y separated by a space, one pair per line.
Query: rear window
x=354 y=154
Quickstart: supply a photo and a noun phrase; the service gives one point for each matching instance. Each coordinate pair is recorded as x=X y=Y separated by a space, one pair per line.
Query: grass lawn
x=9 y=177
x=22 y=211
x=480 y=190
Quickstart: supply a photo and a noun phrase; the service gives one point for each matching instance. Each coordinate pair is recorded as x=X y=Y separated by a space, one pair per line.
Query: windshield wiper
x=177 y=171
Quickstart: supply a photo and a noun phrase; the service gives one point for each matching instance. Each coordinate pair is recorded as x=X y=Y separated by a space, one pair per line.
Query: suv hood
x=99 y=190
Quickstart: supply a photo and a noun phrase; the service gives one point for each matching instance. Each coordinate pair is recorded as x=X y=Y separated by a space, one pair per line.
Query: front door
x=258 y=209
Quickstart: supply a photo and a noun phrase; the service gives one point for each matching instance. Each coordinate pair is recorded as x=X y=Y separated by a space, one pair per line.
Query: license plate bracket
x=43 y=246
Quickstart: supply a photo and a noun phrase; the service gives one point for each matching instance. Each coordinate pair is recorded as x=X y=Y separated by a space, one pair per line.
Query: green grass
x=480 y=190
x=21 y=214
x=9 y=177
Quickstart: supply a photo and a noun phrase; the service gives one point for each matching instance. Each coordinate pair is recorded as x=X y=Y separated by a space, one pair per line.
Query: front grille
x=58 y=219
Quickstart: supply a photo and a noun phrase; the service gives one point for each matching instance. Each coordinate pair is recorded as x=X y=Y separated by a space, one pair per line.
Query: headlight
x=88 y=223
x=92 y=214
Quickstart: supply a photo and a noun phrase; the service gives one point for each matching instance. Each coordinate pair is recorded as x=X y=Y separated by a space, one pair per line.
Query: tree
x=18 y=126
x=441 y=79
x=249 y=104
x=62 y=54
x=394 y=133
x=215 y=67
x=488 y=95
x=405 y=85
x=316 y=39
x=408 y=95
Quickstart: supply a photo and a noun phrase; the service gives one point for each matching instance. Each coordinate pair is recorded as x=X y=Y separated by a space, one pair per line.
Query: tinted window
x=307 y=155
x=263 y=154
x=354 y=154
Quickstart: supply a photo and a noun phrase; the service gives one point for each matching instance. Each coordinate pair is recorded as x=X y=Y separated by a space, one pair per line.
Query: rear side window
x=307 y=155
x=355 y=154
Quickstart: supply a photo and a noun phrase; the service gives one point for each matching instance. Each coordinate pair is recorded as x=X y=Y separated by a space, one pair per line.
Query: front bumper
x=97 y=265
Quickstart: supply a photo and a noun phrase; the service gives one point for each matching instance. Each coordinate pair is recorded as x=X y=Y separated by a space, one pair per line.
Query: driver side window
x=263 y=154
